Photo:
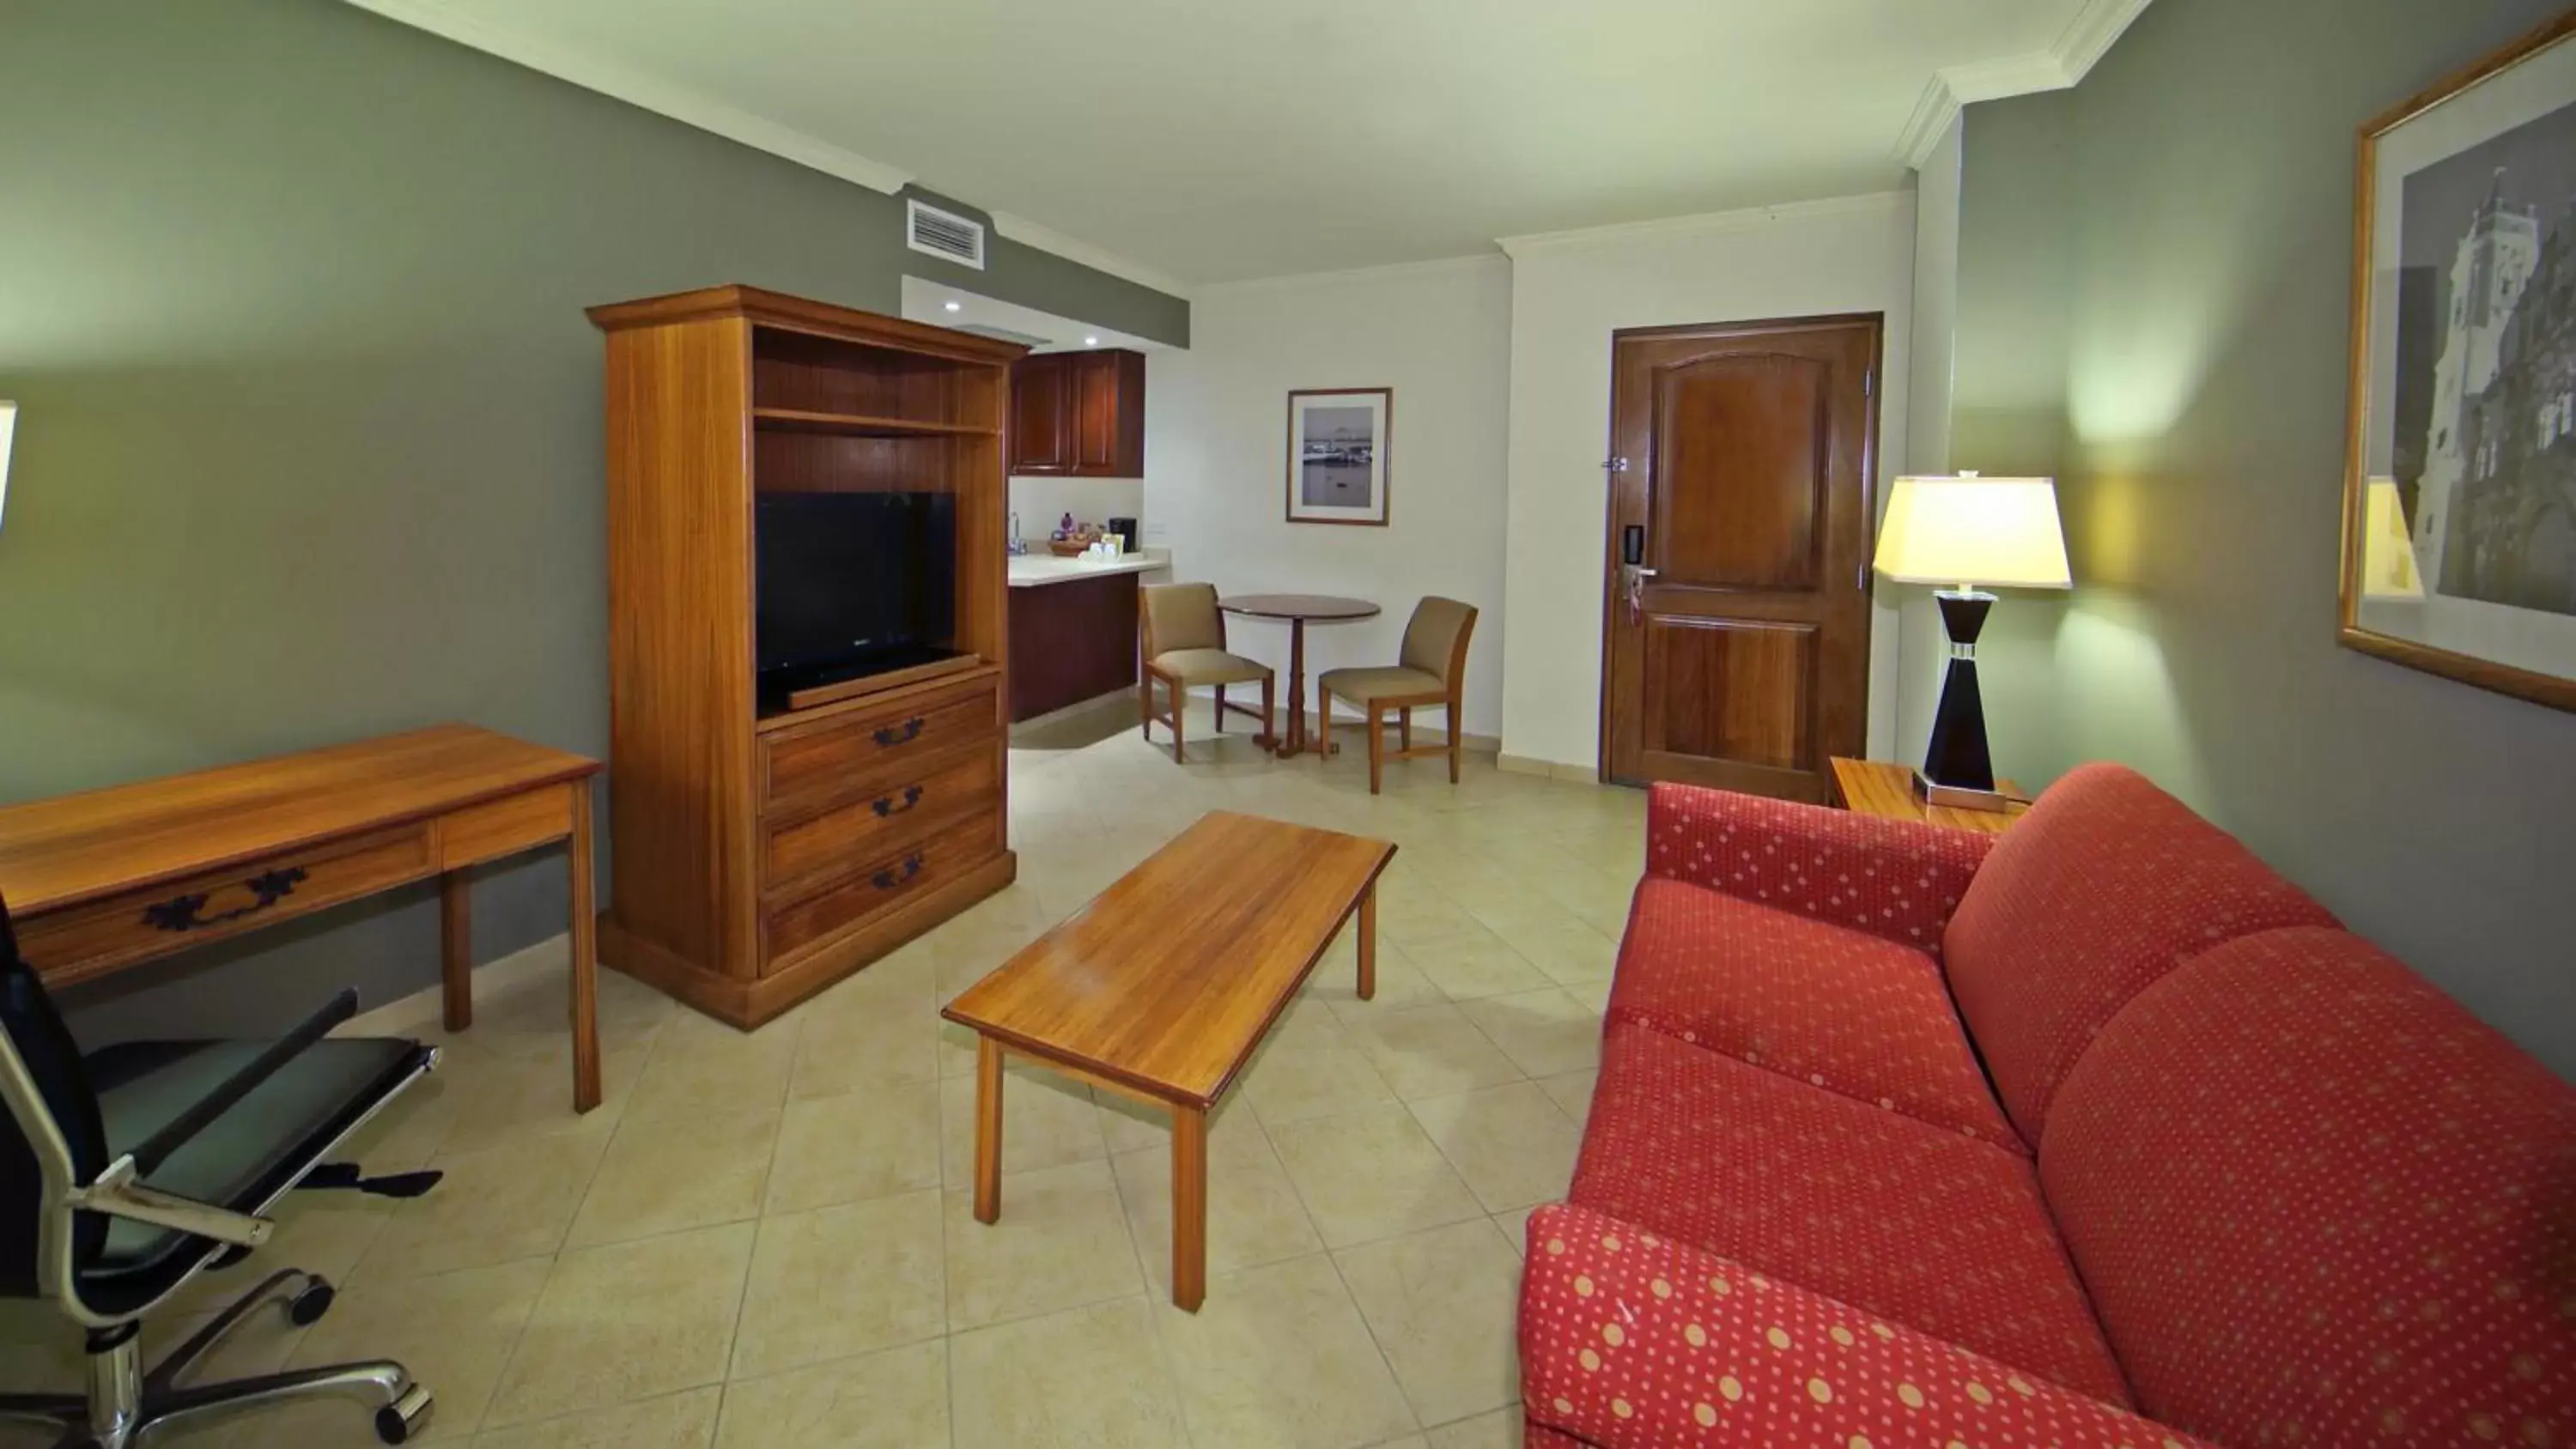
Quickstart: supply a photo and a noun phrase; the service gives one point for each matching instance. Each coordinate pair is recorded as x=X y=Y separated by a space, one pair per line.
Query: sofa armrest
x=1630 y=1340
x=1892 y=878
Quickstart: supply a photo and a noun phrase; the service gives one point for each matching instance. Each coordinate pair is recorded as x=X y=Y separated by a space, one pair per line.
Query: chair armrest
x=1892 y=878
x=1629 y=1340
x=117 y=1194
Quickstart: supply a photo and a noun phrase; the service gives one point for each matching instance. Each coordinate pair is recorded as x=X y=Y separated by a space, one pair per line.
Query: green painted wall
x=2201 y=208
x=310 y=443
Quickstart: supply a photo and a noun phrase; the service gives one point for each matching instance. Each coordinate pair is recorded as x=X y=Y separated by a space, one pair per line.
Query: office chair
x=133 y=1168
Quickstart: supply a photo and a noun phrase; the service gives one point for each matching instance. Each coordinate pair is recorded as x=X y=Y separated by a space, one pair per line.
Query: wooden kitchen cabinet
x=1079 y=414
x=1071 y=642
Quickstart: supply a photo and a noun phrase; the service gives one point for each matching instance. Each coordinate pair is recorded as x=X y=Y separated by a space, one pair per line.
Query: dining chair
x=1182 y=644
x=127 y=1171
x=1431 y=671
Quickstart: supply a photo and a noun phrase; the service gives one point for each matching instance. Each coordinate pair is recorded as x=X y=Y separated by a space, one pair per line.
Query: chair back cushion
x=53 y=1062
x=1181 y=616
x=1435 y=640
x=2100 y=889
x=2316 y=1203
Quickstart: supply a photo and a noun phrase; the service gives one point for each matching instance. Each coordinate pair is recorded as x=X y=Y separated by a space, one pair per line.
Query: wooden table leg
x=1368 y=942
x=1189 y=1207
x=456 y=947
x=988 y=1129
x=1296 y=740
x=585 y=956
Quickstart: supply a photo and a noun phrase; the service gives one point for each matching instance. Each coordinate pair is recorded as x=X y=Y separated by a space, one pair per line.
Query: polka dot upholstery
x=2317 y=1203
x=1891 y=878
x=1941 y=1233
x=1630 y=1339
x=1827 y=1005
x=2101 y=888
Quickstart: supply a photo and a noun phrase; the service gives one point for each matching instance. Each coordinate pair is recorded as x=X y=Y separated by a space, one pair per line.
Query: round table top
x=1297 y=606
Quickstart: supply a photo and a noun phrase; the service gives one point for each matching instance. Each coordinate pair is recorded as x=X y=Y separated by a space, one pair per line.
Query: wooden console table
x=107 y=879
x=1874 y=787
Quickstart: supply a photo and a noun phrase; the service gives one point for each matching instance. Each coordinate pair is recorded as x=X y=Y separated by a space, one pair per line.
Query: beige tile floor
x=765 y=1239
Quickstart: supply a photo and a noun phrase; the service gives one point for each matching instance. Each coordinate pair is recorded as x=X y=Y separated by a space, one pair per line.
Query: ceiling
x=1199 y=141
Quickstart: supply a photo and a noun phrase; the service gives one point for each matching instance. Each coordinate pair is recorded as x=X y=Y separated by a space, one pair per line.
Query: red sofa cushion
x=1830 y=1006
x=2318 y=1203
x=2104 y=886
x=1629 y=1339
x=1938 y=1232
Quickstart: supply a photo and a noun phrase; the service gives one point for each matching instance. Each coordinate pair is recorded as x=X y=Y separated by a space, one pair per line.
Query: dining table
x=1298 y=610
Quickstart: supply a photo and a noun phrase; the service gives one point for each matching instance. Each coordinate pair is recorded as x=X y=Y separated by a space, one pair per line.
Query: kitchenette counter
x=1030 y=570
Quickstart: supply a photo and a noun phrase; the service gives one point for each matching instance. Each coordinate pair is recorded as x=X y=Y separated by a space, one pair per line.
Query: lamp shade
x=1995 y=532
x=8 y=435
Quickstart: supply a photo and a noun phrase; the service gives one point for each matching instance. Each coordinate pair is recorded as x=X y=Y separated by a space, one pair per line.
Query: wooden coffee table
x=1163 y=986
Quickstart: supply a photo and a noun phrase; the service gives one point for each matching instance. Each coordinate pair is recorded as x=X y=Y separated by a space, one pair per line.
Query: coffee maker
x=1130 y=529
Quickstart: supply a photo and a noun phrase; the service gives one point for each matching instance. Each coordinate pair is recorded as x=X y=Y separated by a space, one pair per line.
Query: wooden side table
x=1874 y=787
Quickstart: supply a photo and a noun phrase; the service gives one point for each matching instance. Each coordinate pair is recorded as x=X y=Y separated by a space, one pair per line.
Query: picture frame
x=1338 y=454
x=2459 y=496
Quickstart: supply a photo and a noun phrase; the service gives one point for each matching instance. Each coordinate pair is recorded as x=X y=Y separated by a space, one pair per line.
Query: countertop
x=1033 y=569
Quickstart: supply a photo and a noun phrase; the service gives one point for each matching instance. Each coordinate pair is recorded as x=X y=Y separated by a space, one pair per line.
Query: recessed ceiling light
x=1091 y=342
x=954 y=306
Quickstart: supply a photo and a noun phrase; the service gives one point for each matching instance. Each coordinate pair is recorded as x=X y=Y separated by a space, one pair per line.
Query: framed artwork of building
x=2459 y=510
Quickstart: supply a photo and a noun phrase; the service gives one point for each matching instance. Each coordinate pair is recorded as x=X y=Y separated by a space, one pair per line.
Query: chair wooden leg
x=1404 y=728
x=1323 y=720
x=1377 y=745
x=1220 y=709
x=1180 y=708
x=1457 y=740
x=1269 y=720
x=1145 y=708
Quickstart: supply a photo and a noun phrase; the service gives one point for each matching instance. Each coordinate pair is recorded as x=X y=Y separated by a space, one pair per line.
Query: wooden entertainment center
x=758 y=857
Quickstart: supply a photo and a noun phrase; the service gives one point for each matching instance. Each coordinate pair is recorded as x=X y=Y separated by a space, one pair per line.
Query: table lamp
x=1969 y=531
x=8 y=431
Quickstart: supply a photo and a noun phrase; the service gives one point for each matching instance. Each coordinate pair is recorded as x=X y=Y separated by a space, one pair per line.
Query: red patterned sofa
x=2098 y=1133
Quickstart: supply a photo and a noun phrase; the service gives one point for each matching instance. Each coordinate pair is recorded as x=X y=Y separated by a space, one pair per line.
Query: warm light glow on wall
x=8 y=435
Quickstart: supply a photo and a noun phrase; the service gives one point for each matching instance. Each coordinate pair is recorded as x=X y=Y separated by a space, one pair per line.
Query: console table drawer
x=886 y=880
x=83 y=941
x=845 y=752
x=899 y=805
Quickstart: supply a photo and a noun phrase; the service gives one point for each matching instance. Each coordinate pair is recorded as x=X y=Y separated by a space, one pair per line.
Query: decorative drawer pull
x=179 y=913
x=886 y=880
x=890 y=735
x=885 y=805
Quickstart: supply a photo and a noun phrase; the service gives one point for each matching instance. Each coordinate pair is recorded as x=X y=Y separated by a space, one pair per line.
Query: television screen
x=852 y=583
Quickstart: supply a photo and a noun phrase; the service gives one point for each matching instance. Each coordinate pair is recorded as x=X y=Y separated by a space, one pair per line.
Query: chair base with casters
x=1181 y=641
x=136 y=1167
x=125 y=1402
x=1433 y=675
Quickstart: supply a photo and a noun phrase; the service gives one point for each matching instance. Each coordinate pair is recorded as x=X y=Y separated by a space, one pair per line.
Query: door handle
x=1633 y=588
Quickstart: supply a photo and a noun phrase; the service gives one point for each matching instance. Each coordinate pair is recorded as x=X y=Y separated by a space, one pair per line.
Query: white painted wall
x=1922 y=650
x=1216 y=438
x=1569 y=292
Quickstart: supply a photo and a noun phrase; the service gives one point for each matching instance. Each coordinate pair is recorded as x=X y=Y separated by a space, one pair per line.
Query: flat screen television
x=851 y=584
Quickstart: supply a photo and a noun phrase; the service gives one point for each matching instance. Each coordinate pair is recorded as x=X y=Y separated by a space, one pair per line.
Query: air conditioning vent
x=943 y=234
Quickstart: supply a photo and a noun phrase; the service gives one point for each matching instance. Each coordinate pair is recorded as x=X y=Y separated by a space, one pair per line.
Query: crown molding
x=2078 y=48
x=1388 y=272
x=1073 y=249
x=1744 y=219
x=706 y=114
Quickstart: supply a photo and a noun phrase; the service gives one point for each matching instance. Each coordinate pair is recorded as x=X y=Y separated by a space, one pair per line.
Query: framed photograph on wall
x=2459 y=510
x=1337 y=454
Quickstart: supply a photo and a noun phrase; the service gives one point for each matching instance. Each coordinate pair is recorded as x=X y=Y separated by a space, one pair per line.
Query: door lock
x=1633 y=586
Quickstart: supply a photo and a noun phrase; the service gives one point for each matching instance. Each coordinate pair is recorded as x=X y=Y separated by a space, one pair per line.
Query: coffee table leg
x=1189 y=1207
x=1368 y=942
x=988 y=1129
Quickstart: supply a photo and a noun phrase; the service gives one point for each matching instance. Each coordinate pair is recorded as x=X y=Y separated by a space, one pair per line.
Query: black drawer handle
x=891 y=736
x=885 y=805
x=179 y=913
x=886 y=880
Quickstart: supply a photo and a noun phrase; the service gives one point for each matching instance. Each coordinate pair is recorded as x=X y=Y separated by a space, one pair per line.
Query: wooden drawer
x=846 y=753
x=886 y=880
x=902 y=805
x=90 y=940
x=505 y=827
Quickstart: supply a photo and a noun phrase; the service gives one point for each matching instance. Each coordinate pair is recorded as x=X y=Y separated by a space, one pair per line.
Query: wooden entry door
x=1736 y=643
